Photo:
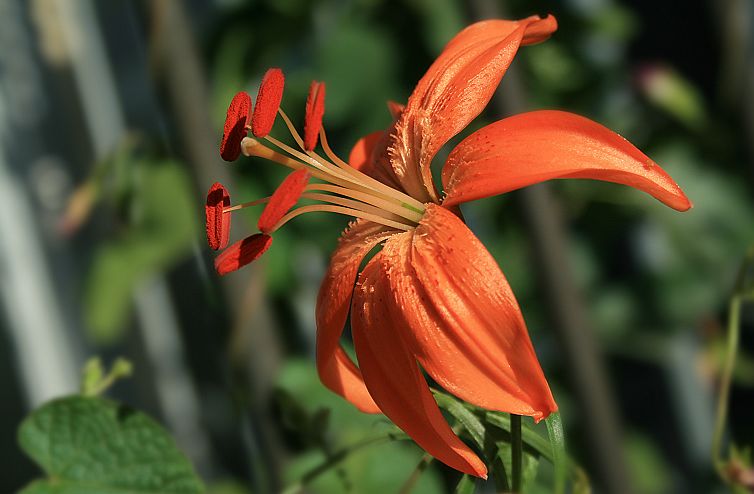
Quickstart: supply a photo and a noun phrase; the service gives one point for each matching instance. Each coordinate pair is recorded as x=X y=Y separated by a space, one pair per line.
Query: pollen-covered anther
x=268 y=101
x=283 y=199
x=217 y=221
x=236 y=121
x=242 y=253
x=315 y=110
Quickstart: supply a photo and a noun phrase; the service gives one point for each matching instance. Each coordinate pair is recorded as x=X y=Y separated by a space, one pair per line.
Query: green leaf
x=559 y=456
x=464 y=416
x=530 y=437
x=93 y=446
x=160 y=232
x=495 y=441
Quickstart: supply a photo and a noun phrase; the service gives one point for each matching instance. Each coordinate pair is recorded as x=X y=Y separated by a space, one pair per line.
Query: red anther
x=218 y=223
x=235 y=126
x=395 y=108
x=315 y=110
x=268 y=101
x=283 y=199
x=242 y=253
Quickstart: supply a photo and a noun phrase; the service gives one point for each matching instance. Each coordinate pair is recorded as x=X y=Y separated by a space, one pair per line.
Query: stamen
x=292 y=129
x=315 y=110
x=252 y=147
x=341 y=210
x=405 y=199
x=242 y=253
x=332 y=172
x=268 y=101
x=236 y=120
x=382 y=204
x=246 y=205
x=349 y=203
x=347 y=175
x=217 y=223
x=283 y=199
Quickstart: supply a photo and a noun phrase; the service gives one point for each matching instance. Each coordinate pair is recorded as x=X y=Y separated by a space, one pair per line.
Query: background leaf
x=95 y=446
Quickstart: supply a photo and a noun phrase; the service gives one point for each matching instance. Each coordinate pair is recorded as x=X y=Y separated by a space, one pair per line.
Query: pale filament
x=246 y=204
x=313 y=157
x=351 y=172
x=350 y=203
x=352 y=192
x=412 y=216
x=407 y=199
x=252 y=147
x=340 y=210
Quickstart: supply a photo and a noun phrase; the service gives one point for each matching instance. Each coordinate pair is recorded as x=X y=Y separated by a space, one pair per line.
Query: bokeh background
x=110 y=117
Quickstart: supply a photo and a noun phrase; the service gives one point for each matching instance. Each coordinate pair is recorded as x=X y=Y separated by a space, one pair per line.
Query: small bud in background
x=78 y=209
x=668 y=90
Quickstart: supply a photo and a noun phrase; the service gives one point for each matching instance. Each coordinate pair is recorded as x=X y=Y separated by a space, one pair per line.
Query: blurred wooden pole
x=583 y=357
x=735 y=19
x=176 y=59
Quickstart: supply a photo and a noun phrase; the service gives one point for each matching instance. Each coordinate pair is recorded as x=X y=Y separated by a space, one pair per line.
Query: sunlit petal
x=533 y=147
x=456 y=89
x=457 y=314
x=394 y=379
x=336 y=370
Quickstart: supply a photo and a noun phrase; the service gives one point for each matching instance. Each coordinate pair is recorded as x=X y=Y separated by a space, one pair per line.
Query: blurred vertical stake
x=736 y=88
x=44 y=350
x=106 y=125
x=176 y=61
x=568 y=311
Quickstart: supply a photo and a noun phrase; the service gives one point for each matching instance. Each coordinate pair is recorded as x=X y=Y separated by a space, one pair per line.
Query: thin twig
x=408 y=486
x=337 y=457
x=734 y=320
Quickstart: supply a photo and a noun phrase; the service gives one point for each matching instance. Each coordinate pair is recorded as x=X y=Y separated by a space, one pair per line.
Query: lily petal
x=369 y=155
x=394 y=379
x=459 y=317
x=533 y=147
x=455 y=89
x=336 y=370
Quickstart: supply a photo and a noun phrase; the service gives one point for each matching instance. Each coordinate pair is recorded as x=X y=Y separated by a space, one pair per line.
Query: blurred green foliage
x=378 y=469
x=155 y=220
x=89 y=445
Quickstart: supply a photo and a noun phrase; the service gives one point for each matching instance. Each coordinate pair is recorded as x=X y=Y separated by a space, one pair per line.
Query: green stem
x=734 y=318
x=338 y=457
x=517 y=446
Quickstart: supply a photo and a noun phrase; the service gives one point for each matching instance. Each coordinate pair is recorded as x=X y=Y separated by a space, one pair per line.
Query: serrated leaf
x=94 y=446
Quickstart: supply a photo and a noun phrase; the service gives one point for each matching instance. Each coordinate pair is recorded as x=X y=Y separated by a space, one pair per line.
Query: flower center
x=344 y=189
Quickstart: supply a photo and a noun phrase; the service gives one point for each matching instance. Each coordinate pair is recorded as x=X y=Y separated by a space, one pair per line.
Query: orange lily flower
x=432 y=298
